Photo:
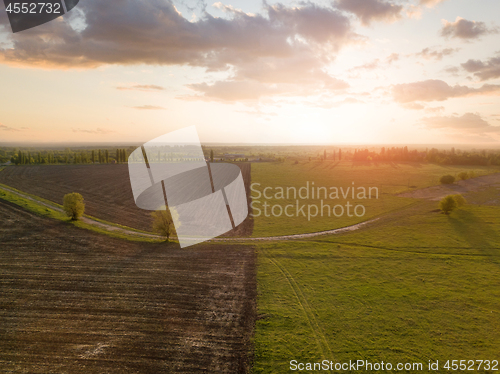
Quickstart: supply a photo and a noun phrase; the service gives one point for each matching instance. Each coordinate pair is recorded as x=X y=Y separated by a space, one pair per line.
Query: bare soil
x=105 y=188
x=73 y=301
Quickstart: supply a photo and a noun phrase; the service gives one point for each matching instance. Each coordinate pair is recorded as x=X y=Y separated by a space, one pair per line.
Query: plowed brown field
x=73 y=301
x=105 y=188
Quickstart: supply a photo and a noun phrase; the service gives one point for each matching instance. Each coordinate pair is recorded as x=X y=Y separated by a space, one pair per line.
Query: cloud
x=466 y=30
x=369 y=66
x=248 y=90
x=436 y=54
x=286 y=46
x=484 y=70
x=299 y=75
x=413 y=106
x=154 y=32
x=312 y=22
x=233 y=90
x=242 y=90
x=376 y=64
x=431 y=3
x=148 y=107
x=96 y=131
x=435 y=109
x=371 y=10
x=469 y=123
x=145 y=88
x=452 y=70
x=393 y=57
x=7 y=128
x=437 y=90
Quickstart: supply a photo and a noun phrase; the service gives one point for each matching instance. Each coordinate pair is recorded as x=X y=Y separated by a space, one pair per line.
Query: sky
x=326 y=72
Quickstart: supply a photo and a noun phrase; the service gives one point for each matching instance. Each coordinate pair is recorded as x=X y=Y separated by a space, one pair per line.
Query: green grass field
x=390 y=179
x=412 y=287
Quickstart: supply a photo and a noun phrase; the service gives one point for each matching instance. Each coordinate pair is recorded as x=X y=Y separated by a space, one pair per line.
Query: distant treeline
x=67 y=156
x=445 y=157
x=31 y=156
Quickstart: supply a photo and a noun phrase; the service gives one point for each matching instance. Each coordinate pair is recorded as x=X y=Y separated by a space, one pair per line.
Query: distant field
x=108 y=195
x=390 y=179
x=78 y=302
x=412 y=287
x=105 y=188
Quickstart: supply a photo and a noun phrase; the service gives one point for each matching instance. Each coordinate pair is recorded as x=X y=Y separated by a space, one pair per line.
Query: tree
x=447 y=179
x=340 y=155
x=107 y=156
x=463 y=175
x=447 y=204
x=93 y=156
x=211 y=155
x=459 y=200
x=163 y=221
x=74 y=205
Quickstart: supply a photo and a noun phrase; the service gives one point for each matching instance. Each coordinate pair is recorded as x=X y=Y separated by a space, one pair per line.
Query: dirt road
x=436 y=193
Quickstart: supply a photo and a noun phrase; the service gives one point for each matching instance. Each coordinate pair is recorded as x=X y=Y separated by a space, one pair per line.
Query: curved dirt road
x=436 y=193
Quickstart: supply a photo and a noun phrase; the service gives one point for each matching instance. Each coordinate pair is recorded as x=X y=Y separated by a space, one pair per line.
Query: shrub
x=472 y=174
x=463 y=175
x=447 y=204
x=459 y=200
x=447 y=179
x=73 y=205
x=163 y=222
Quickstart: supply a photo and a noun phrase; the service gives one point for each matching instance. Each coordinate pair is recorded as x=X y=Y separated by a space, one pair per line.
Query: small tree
x=447 y=179
x=447 y=204
x=459 y=200
x=163 y=222
x=463 y=175
x=74 y=205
